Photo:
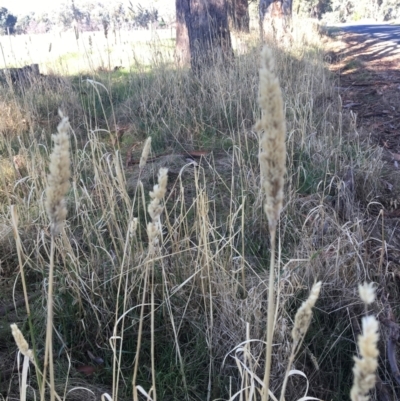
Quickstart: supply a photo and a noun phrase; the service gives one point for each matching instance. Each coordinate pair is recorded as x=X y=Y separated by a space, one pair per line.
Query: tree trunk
x=202 y=32
x=238 y=11
x=275 y=16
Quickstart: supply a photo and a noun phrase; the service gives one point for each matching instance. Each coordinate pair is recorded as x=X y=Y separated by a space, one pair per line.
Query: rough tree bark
x=238 y=11
x=275 y=16
x=202 y=32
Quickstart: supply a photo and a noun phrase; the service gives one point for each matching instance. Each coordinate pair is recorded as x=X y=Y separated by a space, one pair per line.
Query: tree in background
x=275 y=17
x=389 y=9
x=65 y=16
x=238 y=12
x=7 y=21
x=354 y=10
x=117 y=15
x=311 y=8
x=202 y=32
x=99 y=17
x=44 y=23
x=143 y=17
x=342 y=9
x=23 y=23
x=94 y=15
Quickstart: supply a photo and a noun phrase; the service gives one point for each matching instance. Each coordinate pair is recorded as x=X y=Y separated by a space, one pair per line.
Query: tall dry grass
x=173 y=302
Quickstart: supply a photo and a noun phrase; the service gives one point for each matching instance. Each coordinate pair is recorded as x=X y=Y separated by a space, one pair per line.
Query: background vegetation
x=87 y=15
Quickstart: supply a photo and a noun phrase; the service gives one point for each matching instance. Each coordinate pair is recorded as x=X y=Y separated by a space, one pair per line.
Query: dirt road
x=383 y=32
x=367 y=61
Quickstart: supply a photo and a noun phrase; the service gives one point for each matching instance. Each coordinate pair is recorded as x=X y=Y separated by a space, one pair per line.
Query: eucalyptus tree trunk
x=238 y=11
x=202 y=32
x=275 y=16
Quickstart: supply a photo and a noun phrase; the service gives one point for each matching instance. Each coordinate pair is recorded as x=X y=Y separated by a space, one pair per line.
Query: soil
x=369 y=84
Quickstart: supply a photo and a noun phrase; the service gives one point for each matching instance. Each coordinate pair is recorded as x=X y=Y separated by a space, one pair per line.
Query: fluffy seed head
x=22 y=344
x=365 y=367
x=58 y=179
x=367 y=293
x=153 y=233
x=272 y=130
x=304 y=314
x=155 y=209
x=133 y=226
x=145 y=152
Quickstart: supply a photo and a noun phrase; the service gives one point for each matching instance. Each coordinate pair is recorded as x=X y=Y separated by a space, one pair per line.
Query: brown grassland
x=159 y=277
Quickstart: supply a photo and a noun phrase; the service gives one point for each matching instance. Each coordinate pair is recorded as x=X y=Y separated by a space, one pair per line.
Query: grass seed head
x=145 y=152
x=365 y=367
x=153 y=233
x=22 y=344
x=272 y=129
x=58 y=179
x=367 y=292
x=155 y=209
x=304 y=314
x=133 y=226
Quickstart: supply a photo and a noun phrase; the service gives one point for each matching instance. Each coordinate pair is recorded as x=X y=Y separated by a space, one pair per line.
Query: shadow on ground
x=369 y=83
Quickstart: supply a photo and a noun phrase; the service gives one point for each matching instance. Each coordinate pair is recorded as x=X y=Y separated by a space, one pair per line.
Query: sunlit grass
x=191 y=296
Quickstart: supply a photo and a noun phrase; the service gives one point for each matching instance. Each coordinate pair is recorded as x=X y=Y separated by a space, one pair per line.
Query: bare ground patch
x=369 y=83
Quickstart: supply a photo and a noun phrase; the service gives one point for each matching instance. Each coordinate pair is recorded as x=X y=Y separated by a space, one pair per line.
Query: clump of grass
x=169 y=306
